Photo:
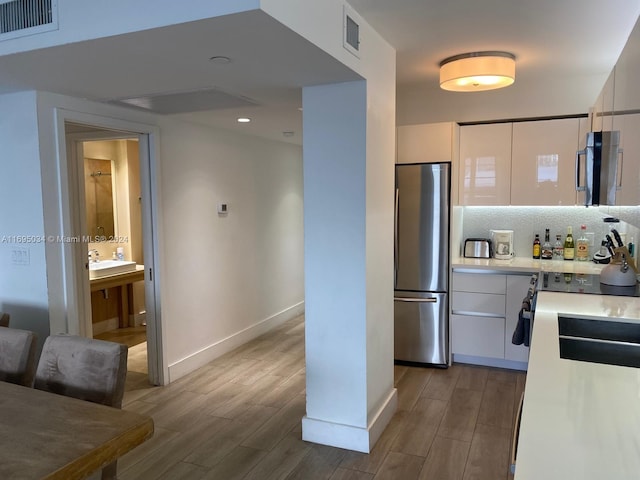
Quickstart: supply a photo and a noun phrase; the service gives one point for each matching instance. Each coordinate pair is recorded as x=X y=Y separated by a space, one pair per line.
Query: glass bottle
x=569 y=245
x=558 y=248
x=546 y=252
x=582 y=245
x=536 y=247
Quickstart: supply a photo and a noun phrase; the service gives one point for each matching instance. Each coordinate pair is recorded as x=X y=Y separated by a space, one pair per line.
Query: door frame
x=74 y=257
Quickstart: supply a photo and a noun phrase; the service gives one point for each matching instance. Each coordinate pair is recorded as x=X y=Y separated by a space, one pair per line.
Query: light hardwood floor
x=239 y=417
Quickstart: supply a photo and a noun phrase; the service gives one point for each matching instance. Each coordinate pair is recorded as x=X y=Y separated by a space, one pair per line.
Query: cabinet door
x=629 y=174
x=517 y=288
x=485 y=164
x=424 y=143
x=477 y=336
x=543 y=162
x=602 y=119
x=479 y=282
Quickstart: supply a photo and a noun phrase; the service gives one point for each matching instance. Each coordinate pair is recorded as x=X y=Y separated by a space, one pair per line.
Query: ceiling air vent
x=351 y=27
x=26 y=17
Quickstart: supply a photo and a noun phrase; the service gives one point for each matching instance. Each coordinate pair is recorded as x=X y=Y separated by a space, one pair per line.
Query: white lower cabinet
x=477 y=336
x=484 y=314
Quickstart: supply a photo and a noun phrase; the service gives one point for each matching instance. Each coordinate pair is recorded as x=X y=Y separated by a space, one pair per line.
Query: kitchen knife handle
x=610 y=244
x=617 y=236
x=416 y=300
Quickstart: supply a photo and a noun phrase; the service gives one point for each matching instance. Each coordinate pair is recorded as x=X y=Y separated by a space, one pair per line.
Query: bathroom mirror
x=99 y=198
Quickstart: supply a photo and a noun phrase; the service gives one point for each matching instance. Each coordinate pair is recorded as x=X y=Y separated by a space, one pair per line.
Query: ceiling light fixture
x=477 y=71
x=244 y=120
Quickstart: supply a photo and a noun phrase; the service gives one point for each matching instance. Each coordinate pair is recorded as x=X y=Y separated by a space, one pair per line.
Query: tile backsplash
x=527 y=221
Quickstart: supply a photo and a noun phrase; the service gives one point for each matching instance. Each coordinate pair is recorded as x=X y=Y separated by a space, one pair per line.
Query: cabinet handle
x=396 y=236
x=619 y=172
x=416 y=300
x=579 y=188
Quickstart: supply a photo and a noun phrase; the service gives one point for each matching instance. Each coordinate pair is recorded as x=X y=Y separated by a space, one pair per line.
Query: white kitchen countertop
x=526 y=264
x=580 y=420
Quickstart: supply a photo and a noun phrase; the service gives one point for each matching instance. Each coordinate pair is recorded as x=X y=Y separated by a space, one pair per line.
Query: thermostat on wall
x=223 y=209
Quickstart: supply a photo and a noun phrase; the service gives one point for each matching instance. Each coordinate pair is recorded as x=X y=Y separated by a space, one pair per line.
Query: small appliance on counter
x=502 y=244
x=478 y=248
x=621 y=271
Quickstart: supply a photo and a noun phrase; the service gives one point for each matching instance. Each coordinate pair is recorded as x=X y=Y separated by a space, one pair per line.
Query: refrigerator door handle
x=416 y=300
x=395 y=240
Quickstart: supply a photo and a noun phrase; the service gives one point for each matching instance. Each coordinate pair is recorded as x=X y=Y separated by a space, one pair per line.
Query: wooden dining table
x=48 y=436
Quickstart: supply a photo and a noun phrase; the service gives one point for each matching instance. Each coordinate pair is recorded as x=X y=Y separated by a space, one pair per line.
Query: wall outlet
x=20 y=256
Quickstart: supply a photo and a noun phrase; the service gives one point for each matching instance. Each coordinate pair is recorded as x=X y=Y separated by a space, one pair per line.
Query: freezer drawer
x=421 y=328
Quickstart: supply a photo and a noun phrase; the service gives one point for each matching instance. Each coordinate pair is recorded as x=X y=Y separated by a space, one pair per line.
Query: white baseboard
x=490 y=362
x=347 y=436
x=105 y=326
x=202 y=357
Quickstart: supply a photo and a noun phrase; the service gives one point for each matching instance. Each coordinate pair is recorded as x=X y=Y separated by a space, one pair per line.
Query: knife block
x=619 y=254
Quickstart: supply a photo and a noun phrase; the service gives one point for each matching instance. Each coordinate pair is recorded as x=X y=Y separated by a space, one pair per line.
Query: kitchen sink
x=106 y=268
x=599 y=341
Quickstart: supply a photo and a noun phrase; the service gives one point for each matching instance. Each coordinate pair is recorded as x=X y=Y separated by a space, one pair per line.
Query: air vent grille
x=353 y=33
x=24 y=17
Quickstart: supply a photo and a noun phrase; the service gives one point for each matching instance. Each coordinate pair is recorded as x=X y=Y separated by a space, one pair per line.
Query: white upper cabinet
x=602 y=110
x=425 y=143
x=485 y=164
x=543 y=162
x=430 y=143
x=629 y=167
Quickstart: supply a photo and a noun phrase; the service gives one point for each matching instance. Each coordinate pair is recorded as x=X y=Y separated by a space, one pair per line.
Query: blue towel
x=521 y=334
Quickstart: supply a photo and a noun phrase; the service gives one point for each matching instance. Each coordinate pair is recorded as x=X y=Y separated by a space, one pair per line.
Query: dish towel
x=521 y=333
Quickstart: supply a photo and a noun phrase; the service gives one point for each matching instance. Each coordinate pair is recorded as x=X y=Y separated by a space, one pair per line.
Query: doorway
x=113 y=226
x=107 y=171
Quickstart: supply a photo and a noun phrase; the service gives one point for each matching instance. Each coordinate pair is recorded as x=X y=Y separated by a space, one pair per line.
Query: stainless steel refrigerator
x=422 y=263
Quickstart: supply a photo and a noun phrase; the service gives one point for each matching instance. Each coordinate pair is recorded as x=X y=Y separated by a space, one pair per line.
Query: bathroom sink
x=105 y=268
x=599 y=341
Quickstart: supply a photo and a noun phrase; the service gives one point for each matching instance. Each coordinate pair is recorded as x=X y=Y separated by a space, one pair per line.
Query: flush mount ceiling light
x=243 y=120
x=477 y=71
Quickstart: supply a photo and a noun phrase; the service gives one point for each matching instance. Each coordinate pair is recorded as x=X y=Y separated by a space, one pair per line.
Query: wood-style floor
x=239 y=417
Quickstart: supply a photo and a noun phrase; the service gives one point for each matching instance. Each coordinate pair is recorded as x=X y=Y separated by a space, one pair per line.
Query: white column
x=348 y=222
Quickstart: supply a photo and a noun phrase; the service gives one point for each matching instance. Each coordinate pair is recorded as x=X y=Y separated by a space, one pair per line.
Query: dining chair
x=17 y=356
x=4 y=319
x=84 y=368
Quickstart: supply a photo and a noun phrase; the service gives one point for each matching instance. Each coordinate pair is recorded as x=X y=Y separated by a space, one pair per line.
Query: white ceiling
x=565 y=50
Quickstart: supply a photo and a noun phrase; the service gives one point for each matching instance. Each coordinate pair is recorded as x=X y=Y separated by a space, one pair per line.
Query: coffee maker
x=502 y=241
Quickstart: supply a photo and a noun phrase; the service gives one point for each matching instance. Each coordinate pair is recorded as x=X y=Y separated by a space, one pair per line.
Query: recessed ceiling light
x=244 y=120
x=220 y=60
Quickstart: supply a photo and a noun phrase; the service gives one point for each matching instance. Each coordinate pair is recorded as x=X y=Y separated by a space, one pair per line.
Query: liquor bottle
x=569 y=246
x=558 y=248
x=536 y=246
x=546 y=253
x=582 y=245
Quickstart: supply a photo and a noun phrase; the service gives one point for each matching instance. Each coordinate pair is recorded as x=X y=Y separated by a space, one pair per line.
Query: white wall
x=223 y=280
x=23 y=287
x=349 y=145
x=226 y=274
